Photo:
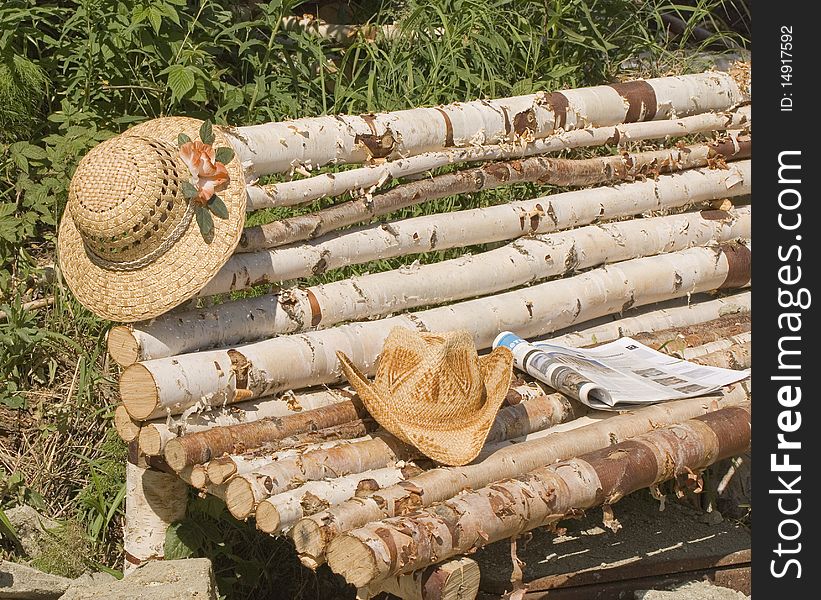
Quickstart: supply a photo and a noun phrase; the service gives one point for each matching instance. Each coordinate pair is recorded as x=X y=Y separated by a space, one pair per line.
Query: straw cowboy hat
x=135 y=239
x=433 y=391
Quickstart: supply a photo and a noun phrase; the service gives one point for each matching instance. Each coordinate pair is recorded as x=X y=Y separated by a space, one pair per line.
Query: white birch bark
x=657 y=320
x=539 y=497
x=276 y=514
x=455 y=579
x=312 y=534
x=583 y=172
x=369 y=178
x=526 y=260
x=155 y=434
x=317 y=141
x=153 y=388
x=716 y=346
x=153 y=501
x=479 y=226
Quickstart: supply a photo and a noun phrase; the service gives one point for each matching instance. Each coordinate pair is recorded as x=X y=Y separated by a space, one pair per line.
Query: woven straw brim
x=176 y=275
x=452 y=443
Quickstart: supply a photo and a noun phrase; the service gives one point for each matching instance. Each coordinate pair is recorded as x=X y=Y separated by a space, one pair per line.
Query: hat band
x=132 y=265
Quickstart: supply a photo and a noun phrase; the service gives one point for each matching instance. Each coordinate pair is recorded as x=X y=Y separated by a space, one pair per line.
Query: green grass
x=75 y=72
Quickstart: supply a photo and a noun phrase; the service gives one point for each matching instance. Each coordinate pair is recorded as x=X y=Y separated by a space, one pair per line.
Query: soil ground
x=647 y=536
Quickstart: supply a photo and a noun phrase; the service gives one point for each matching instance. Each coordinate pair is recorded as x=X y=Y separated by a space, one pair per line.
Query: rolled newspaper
x=554 y=370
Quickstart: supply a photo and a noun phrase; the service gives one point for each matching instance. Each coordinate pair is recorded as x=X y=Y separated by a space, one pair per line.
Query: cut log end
x=199 y=477
x=350 y=557
x=175 y=455
x=126 y=428
x=150 y=441
x=221 y=470
x=308 y=539
x=239 y=498
x=267 y=517
x=123 y=346
x=139 y=391
x=462 y=578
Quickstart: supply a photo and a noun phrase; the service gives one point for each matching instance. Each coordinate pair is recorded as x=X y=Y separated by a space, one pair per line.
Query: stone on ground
x=31 y=528
x=693 y=590
x=156 y=580
x=20 y=581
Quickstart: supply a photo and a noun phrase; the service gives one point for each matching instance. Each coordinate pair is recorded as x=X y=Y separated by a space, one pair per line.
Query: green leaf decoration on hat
x=217 y=206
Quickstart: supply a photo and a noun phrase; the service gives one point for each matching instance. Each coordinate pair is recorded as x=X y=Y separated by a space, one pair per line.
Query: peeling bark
x=480 y=226
x=308 y=359
x=371 y=177
x=313 y=534
x=524 y=261
x=247 y=491
x=537 y=498
x=155 y=434
x=543 y=170
x=199 y=448
x=317 y=141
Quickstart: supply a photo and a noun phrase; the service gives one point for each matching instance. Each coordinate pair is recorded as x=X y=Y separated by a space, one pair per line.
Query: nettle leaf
x=181 y=541
x=224 y=155
x=180 y=81
x=204 y=220
x=189 y=190
x=183 y=139
x=207 y=133
x=217 y=206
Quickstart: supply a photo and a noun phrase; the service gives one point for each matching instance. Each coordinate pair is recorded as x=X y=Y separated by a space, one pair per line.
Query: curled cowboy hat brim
x=178 y=273
x=456 y=442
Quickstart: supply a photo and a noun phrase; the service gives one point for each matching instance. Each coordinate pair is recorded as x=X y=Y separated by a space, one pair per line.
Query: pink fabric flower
x=208 y=176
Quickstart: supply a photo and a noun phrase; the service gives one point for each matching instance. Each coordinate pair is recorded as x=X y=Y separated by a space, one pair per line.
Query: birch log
x=313 y=534
x=152 y=388
x=673 y=341
x=221 y=470
x=153 y=501
x=686 y=313
x=244 y=492
x=199 y=448
x=539 y=169
x=716 y=346
x=155 y=434
x=337 y=139
x=480 y=226
x=124 y=425
x=526 y=260
x=737 y=356
x=542 y=496
x=456 y=579
x=368 y=178
x=512 y=422
x=279 y=512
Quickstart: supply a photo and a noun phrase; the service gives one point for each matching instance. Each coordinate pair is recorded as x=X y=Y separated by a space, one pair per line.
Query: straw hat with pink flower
x=152 y=215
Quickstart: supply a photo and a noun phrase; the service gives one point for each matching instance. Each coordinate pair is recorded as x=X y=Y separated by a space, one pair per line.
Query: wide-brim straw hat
x=435 y=392
x=129 y=244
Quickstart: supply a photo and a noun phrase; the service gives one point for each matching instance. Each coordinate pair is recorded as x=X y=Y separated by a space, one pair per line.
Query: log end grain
x=123 y=346
x=267 y=517
x=221 y=470
x=352 y=558
x=461 y=580
x=139 y=391
x=150 y=441
x=239 y=498
x=126 y=428
x=199 y=477
x=308 y=539
x=176 y=455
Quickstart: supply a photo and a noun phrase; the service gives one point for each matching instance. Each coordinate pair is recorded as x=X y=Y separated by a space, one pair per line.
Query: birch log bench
x=242 y=399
